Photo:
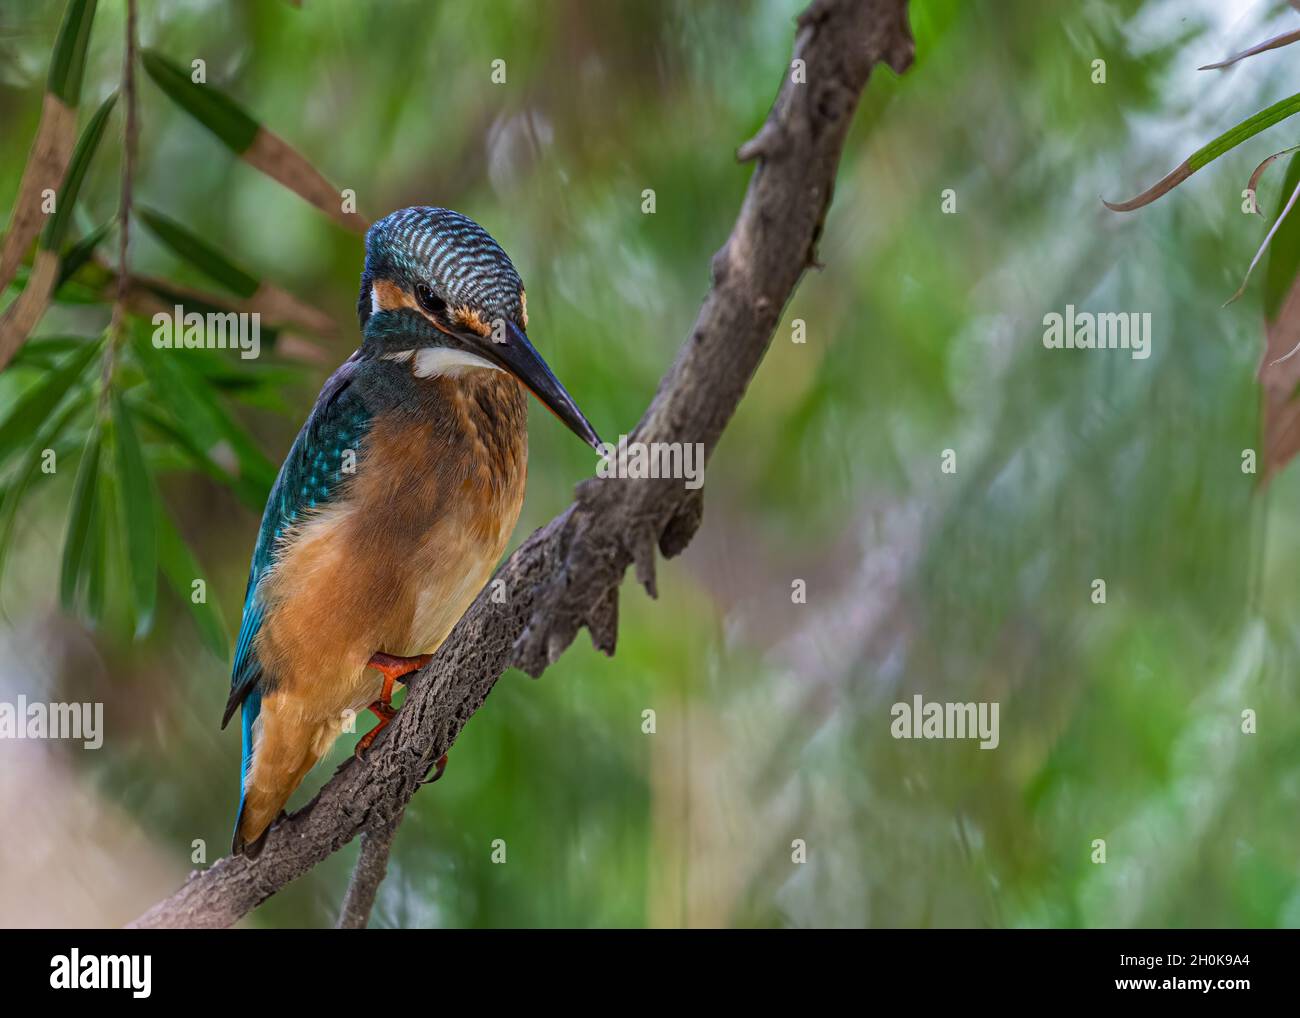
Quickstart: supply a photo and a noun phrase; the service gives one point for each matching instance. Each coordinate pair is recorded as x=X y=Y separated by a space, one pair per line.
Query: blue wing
x=311 y=477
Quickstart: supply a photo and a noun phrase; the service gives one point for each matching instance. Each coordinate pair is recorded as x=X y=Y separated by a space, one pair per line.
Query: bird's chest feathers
x=435 y=500
x=396 y=561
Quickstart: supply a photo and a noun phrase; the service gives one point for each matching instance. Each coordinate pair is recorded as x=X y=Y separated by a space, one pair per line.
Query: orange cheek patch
x=390 y=296
x=466 y=317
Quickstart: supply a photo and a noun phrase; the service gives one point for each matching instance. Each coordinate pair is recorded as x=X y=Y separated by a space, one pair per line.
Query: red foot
x=392 y=668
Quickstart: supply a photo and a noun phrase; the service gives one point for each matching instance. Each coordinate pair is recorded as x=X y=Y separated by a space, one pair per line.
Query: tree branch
x=566 y=575
x=372 y=864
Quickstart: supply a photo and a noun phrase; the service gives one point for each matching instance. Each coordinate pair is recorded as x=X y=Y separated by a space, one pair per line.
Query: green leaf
x=234 y=375
x=181 y=570
x=168 y=387
x=205 y=103
x=98 y=544
x=247 y=138
x=46 y=352
x=176 y=383
x=1225 y=142
x=137 y=515
x=68 y=65
x=1248 y=128
x=79 y=519
x=36 y=404
x=55 y=230
x=252 y=495
x=199 y=253
x=193 y=302
x=81 y=252
x=165 y=459
x=29 y=469
x=1284 y=253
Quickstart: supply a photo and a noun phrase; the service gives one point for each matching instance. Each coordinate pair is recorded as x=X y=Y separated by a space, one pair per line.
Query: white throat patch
x=440 y=360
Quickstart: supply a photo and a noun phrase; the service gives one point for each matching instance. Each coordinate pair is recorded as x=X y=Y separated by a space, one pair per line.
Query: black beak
x=521 y=359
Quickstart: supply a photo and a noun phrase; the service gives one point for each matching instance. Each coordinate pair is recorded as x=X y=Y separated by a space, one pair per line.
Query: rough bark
x=372 y=865
x=566 y=575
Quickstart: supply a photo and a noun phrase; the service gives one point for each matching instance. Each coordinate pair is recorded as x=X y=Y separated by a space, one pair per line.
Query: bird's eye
x=429 y=300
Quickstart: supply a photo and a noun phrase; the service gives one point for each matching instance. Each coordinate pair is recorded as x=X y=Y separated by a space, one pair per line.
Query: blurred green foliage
x=1119 y=721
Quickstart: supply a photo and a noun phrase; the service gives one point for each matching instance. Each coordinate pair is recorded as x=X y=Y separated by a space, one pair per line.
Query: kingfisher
x=395 y=503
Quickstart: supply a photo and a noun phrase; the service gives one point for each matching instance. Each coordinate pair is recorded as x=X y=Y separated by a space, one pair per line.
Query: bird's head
x=438 y=292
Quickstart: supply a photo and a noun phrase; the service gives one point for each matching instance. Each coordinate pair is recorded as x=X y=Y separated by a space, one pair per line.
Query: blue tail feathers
x=251 y=708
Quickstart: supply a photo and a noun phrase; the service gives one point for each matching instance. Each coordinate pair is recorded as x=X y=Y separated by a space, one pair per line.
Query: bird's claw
x=440 y=766
x=385 y=712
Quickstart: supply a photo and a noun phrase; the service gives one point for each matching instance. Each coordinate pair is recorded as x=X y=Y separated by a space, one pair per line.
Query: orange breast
x=394 y=566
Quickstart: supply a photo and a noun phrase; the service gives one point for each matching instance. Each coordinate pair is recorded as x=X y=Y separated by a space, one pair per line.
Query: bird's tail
x=276 y=760
x=252 y=824
x=250 y=828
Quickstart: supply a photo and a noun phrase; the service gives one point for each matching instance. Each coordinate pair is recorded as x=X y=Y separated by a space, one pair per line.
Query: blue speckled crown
x=448 y=252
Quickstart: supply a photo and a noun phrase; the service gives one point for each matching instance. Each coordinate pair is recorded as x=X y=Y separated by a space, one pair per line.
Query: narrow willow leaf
x=184 y=392
x=137 y=515
x=252 y=383
x=57 y=227
x=1247 y=129
x=181 y=570
x=251 y=495
x=253 y=463
x=1279 y=374
x=22 y=315
x=282 y=307
x=167 y=388
x=1264 y=247
x=164 y=460
x=78 y=293
x=147 y=296
x=248 y=139
x=31 y=410
x=1283 y=267
x=79 y=520
x=69 y=61
x=276 y=307
x=81 y=252
x=198 y=252
x=46 y=352
x=205 y=103
x=282 y=162
x=29 y=470
x=48 y=162
x=1202 y=157
x=1277 y=42
x=231 y=374
x=98 y=545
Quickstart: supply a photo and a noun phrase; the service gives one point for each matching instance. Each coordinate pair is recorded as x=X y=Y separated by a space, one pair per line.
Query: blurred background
x=1119 y=721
